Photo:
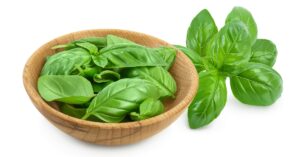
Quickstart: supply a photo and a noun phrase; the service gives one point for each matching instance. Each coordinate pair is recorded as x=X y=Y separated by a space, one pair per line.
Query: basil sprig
x=233 y=52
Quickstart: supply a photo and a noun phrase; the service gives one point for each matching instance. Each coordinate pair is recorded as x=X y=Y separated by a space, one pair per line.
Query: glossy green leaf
x=158 y=76
x=194 y=57
x=264 y=51
x=100 y=42
x=243 y=15
x=76 y=112
x=63 y=63
x=258 y=85
x=148 y=108
x=201 y=30
x=71 y=89
x=120 y=98
x=97 y=87
x=115 y=40
x=168 y=54
x=231 y=46
x=106 y=76
x=67 y=46
x=209 y=101
x=93 y=49
x=72 y=111
x=128 y=55
x=87 y=71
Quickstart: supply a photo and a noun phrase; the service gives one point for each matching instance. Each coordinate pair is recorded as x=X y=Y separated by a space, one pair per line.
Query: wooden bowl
x=183 y=72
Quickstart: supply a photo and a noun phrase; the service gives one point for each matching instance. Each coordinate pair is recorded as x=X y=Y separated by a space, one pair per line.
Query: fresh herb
x=65 y=62
x=108 y=79
x=120 y=98
x=233 y=52
x=159 y=76
x=72 y=89
x=148 y=108
x=132 y=56
x=106 y=76
x=72 y=110
x=201 y=30
x=213 y=94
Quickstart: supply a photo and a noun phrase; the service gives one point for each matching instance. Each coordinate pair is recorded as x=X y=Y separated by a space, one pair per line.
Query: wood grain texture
x=183 y=72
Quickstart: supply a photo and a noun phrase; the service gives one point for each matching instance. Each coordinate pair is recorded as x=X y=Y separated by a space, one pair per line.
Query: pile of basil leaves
x=235 y=52
x=108 y=79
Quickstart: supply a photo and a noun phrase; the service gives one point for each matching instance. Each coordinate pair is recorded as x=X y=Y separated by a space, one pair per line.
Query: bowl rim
x=39 y=102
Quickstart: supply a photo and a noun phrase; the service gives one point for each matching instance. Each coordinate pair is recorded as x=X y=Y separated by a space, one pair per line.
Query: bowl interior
x=182 y=70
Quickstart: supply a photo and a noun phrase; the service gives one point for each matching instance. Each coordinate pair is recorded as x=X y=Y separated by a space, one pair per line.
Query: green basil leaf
x=100 y=61
x=63 y=63
x=100 y=42
x=233 y=70
x=120 y=98
x=128 y=55
x=71 y=89
x=64 y=46
x=115 y=40
x=168 y=54
x=158 y=76
x=148 y=108
x=257 y=85
x=231 y=46
x=72 y=111
x=264 y=51
x=87 y=71
x=97 y=87
x=209 y=101
x=201 y=30
x=93 y=49
x=106 y=76
x=76 y=112
x=194 y=57
x=241 y=14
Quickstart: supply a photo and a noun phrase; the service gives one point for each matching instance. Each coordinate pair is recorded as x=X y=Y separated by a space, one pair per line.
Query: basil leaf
x=233 y=70
x=120 y=98
x=264 y=51
x=209 y=101
x=76 y=112
x=71 y=89
x=241 y=14
x=63 y=63
x=64 y=46
x=93 y=49
x=201 y=29
x=115 y=40
x=87 y=72
x=148 y=108
x=194 y=57
x=100 y=42
x=97 y=87
x=72 y=111
x=168 y=54
x=257 y=85
x=106 y=76
x=128 y=55
x=231 y=46
x=158 y=76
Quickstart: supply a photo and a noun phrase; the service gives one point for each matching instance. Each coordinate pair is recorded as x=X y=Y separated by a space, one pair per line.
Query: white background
x=240 y=130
